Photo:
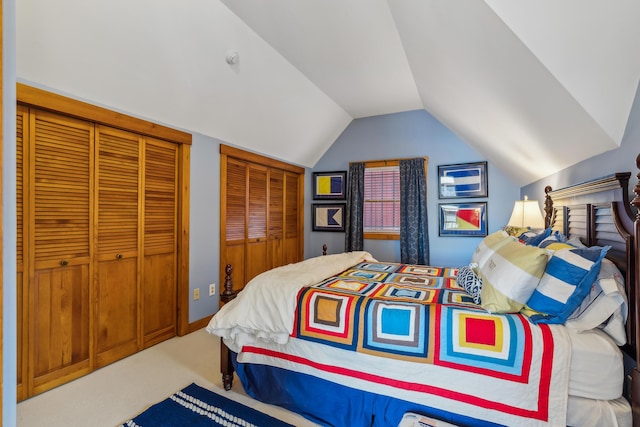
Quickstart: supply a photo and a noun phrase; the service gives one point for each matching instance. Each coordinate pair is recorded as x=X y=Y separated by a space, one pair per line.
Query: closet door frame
x=228 y=152
x=34 y=97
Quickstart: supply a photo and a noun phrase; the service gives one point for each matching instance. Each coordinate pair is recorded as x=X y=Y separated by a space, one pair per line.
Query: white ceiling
x=533 y=86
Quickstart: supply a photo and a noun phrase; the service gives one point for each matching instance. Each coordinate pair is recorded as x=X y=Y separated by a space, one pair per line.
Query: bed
x=346 y=339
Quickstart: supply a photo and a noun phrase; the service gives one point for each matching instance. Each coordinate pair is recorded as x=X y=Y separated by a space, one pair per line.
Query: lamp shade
x=526 y=213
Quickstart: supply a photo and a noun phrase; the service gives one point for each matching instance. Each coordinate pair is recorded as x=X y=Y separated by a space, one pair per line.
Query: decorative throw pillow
x=605 y=297
x=510 y=276
x=556 y=240
x=489 y=245
x=515 y=231
x=566 y=282
x=532 y=238
x=471 y=283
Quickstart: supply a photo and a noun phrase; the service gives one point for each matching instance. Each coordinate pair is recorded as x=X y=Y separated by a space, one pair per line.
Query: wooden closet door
x=256 y=221
x=159 y=285
x=293 y=231
x=60 y=160
x=276 y=217
x=117 y=214
x=234 y=215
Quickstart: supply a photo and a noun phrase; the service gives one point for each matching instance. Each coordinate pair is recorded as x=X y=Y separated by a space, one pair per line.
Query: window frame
x=378 y=235
x=381 y=235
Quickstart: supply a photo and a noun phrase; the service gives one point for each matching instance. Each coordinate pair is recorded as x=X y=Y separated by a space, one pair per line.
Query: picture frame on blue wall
x=328 y=216
x=330 y=185
x=463 y=219
x=463 y=180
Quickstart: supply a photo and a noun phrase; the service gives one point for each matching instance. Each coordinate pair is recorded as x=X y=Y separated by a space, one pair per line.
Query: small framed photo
x=463 y=219
x=462 y=180
x=328 y=217
x=330 y=185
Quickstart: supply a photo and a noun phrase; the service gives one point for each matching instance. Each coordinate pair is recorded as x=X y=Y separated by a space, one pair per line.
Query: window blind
x=382 y=199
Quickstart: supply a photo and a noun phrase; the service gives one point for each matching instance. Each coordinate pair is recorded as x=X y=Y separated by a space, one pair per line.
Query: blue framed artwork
x=329 y=185
x=462 y=180
x=463 y=219
x=328 y=217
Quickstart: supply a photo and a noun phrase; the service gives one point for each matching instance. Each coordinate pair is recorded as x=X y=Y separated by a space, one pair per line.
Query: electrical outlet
x=212 y=289
x=196 y=294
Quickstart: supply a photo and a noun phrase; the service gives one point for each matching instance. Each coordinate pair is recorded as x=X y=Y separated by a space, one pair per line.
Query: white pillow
x=605 y=306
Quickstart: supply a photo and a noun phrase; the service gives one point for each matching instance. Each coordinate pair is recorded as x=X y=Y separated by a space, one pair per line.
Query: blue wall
x=204 y=221
x=404 y=135
x=622 y=159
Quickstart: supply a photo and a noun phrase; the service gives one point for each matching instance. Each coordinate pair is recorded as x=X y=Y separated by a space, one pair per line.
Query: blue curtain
x=414 y=233
x=354 y=216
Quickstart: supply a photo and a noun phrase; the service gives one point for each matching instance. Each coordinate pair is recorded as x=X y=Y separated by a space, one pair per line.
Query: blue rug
x=198 y=407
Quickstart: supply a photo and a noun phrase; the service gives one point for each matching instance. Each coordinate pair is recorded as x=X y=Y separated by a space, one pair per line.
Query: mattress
x=597 y=370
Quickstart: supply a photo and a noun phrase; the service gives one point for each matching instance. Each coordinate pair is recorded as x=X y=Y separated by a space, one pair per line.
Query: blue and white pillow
x=531 y=238
x=565 y=283
x=471 y=283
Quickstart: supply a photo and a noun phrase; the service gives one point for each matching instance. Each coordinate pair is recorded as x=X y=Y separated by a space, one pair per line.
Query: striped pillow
x=565 y=283
x=510 y=276
x=532 y=238
x=489 y=245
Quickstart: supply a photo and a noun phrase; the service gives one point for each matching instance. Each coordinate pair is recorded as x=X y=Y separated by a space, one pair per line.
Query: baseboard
x=199 y=324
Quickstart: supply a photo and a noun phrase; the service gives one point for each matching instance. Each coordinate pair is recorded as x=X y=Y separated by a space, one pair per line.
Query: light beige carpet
x=123 y=389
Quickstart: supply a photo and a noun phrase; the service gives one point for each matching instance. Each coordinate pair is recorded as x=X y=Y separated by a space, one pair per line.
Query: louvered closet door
x=60 y=159
x=276 y=217
x=22 y=134
x=257 y=221
x=235 y=213
x=292 y=230
x=159 y=285
x=117 y=178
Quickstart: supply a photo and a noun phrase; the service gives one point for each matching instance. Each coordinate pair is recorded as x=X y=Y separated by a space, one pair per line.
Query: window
x=382 y=200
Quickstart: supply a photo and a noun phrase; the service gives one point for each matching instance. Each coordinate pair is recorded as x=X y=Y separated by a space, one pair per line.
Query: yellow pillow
x=489 y=245
x=558 y=245
x=510 y=276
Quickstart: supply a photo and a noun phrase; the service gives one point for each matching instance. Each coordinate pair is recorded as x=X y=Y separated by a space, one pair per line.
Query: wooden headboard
x=598 y=213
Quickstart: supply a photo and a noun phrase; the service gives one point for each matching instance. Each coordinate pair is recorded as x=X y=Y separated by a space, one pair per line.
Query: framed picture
x=328 y=217
x=462 y=180
x=329 y=185
x=463 y=219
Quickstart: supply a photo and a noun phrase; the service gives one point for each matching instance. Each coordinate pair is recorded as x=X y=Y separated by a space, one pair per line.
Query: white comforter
x=265 y=308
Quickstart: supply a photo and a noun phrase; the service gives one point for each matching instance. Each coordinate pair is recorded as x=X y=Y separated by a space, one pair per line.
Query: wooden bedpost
x=226 y=364
x=548 y=207
x=635 y=377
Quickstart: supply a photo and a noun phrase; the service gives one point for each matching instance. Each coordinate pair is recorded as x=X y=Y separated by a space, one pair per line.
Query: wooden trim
x=184 y=168
x=199 y=324
x=257 y=158
x=42 y=99
x=381 y=236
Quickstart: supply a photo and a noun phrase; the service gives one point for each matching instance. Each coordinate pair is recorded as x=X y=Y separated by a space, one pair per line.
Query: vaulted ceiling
x=534 y=86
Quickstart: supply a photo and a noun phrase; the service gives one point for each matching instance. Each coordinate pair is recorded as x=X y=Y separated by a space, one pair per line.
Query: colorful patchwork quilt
x=412 y=313
x=410 y=333
x=419 y=314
